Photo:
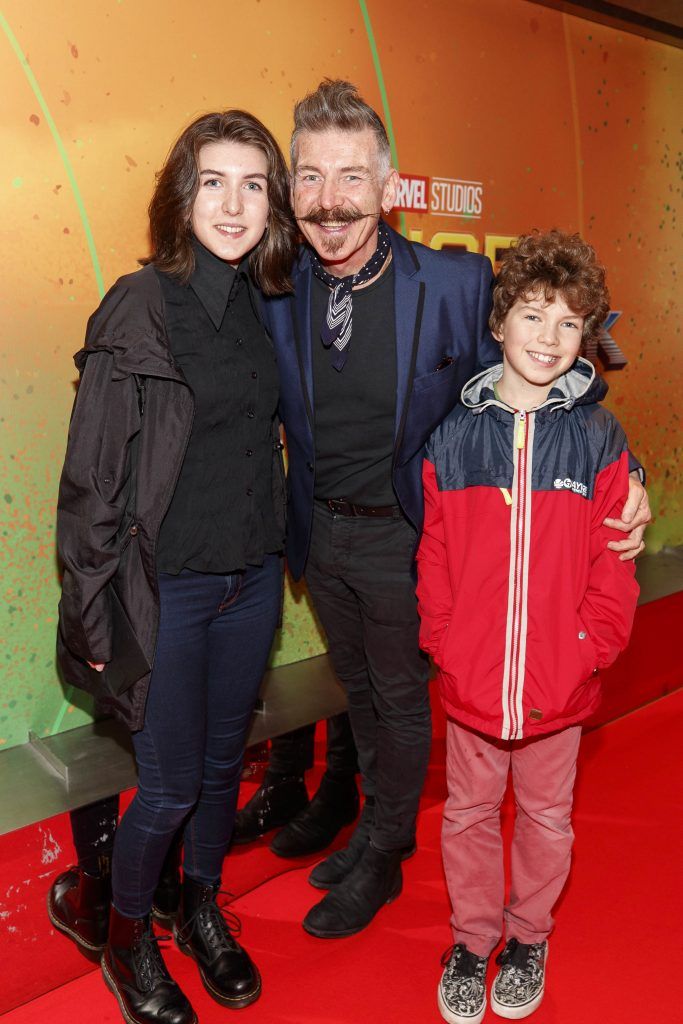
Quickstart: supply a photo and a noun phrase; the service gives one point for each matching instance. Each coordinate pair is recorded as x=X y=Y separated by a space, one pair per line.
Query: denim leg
x=240 y=639
x=169 y=748
x=203 y=678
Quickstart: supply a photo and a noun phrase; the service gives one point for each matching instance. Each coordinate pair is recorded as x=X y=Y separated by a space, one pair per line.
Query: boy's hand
x=634 y=518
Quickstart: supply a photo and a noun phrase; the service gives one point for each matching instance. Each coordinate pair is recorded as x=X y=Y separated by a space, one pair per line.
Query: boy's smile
x=541 y=340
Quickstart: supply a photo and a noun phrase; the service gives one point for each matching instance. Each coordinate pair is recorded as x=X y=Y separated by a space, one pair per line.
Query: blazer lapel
x=408 y=303
x=301 y=314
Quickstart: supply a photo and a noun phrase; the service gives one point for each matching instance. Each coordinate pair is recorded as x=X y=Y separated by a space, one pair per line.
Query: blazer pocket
x=437 y=377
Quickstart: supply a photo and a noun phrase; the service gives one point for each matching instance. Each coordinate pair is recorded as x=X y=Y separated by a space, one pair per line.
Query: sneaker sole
x=410 y=852
x=88 y=949
x=458 y=1018
x=111 y=985
x=234 y=1002
x=517 y=1012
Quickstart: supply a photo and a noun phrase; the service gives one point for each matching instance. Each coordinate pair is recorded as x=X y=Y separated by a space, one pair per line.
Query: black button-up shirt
x=222 y=514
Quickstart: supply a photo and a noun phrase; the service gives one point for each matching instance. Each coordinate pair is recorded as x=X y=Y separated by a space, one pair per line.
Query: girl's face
x=230 y=210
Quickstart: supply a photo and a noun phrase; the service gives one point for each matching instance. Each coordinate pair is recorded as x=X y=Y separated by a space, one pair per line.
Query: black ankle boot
x=277 y=800
x=335 y=868
x=202 y=932
x=134 y=970
x=78 y=905
x=350 y=906
x=315 y=827
x=166 y=900
x=339 y=864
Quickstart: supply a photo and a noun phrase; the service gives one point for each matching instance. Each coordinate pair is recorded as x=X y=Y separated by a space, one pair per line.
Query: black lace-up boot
x=134 y=970
x=206 y=932
x=166 y=899
x=277 y=800
x=78 y=906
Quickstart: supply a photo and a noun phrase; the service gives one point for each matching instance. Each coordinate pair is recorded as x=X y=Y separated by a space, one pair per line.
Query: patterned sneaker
x=462 y=989
x=518 y=987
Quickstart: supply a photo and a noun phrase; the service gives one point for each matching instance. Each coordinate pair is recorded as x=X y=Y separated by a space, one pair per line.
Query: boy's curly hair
x=553 y=263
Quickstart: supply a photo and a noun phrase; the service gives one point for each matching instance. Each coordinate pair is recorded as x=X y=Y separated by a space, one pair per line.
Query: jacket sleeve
x=434 y=597
x=488 y=349
x=93 y=491
x=610 y=601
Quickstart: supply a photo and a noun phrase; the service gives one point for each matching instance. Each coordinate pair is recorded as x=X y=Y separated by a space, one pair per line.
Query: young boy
x=521 y=605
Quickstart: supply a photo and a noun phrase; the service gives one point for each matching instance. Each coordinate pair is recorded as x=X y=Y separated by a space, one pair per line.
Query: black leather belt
x=341 y=507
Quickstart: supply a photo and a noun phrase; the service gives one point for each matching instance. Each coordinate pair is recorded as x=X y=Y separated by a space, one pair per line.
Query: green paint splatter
x=383 y=94
x=33 y=82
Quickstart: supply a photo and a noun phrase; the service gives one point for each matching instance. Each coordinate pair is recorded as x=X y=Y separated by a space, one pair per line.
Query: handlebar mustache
x=316 y=217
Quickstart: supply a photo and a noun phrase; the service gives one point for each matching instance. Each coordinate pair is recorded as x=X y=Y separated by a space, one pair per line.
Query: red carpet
x=614 y=955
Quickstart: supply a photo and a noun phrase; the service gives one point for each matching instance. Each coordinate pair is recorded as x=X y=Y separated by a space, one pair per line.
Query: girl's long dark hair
x=170 y=210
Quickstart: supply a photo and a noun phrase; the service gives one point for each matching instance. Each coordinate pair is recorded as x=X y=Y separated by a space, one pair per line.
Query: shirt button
x=254 y=374
x=249 y=492
x=248 y=452
x=582 y=635
x=250 y=413
x=309 y=467
x=238 y=341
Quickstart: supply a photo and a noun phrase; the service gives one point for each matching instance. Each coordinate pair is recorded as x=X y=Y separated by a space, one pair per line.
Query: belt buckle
x=342 y=507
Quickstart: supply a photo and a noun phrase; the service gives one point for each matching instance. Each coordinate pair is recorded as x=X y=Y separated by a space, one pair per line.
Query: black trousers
x=359 y=577
x=292 y=753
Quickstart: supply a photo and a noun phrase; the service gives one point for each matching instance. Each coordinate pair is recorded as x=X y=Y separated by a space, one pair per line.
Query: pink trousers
x=543 y=773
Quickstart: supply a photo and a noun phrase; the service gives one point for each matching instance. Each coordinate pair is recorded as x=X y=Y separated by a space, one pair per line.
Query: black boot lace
x=148 y=962
x=219 y=926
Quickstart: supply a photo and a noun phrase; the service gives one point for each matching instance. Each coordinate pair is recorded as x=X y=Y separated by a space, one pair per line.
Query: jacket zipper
x=519 y=556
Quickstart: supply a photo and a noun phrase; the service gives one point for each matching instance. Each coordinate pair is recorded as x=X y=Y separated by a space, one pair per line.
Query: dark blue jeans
x=215 y=634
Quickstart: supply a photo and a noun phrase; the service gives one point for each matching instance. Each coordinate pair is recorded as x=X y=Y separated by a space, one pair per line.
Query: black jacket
x=106 y=529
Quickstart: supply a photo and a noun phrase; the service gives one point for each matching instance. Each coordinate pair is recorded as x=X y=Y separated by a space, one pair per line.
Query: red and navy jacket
x=520 y=600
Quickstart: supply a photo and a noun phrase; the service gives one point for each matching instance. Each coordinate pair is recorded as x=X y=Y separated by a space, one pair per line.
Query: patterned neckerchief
x=336 y=329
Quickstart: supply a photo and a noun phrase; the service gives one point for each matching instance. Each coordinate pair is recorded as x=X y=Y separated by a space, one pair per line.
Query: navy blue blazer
x=442 y=302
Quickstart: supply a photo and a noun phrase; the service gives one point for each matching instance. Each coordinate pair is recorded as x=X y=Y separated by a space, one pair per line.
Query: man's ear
x=390 y=191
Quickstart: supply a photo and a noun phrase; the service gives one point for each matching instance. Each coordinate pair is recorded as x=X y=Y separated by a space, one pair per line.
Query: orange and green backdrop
x=547 y=119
